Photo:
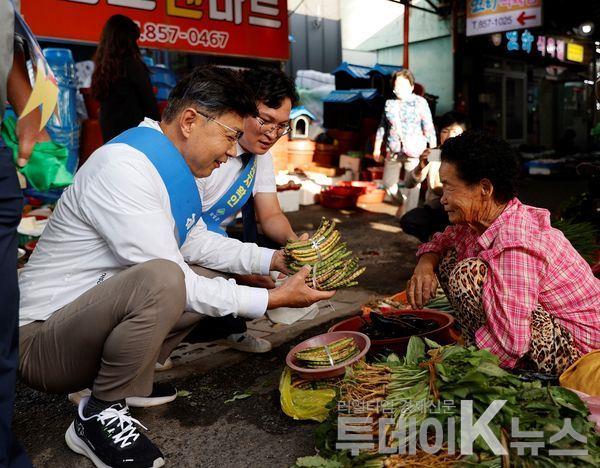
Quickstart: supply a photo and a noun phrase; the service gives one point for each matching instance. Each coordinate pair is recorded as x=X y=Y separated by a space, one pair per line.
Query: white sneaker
x=247 y=343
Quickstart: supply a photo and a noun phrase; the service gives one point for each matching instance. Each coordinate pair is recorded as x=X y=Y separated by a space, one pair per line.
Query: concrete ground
x=201 y=430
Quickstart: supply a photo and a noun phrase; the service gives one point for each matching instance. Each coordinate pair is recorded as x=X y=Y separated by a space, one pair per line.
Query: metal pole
x=406 y=30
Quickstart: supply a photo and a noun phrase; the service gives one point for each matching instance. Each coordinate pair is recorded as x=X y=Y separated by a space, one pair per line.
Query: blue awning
x=367 y=94
x=344 y=96
x=385 y=70
x=351 y=95
x=355 y=71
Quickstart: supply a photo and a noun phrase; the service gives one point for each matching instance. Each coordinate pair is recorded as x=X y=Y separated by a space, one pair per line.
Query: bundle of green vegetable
x=328 y=355
x=440 y=302
x=332 y=264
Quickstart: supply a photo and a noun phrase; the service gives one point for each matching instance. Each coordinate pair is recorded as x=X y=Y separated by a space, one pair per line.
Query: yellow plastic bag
x=584 y=374
x=303 y=404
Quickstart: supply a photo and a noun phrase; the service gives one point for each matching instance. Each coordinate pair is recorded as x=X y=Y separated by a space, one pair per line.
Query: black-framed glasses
x=270 y=128
x=238 y=133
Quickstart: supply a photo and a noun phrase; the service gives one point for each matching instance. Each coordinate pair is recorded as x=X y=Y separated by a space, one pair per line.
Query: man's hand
x=303 y=237
x=28 y=134
x=278 y=263
x=422 y=286
x=295 y=293
x=294 y=238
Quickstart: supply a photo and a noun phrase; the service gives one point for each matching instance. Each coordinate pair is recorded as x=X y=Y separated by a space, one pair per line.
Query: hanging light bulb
x=586 y=28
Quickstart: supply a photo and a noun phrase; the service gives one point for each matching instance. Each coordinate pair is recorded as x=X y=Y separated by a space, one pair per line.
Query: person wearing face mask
x=517 y=285
x=423 y=221
x=108 y=291
x=408 y=128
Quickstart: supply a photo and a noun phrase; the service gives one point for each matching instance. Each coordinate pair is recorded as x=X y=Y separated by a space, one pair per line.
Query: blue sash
x=233 y=200
x=179 y=181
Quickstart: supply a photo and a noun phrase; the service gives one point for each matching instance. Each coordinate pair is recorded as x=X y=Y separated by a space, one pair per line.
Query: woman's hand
x=422 y=286
x=278 y=263
x=423 y=161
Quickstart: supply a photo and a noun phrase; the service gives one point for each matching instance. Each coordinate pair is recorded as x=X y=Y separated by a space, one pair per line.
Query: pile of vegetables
x=429 y=376
x=332 y=265
x=328 y=355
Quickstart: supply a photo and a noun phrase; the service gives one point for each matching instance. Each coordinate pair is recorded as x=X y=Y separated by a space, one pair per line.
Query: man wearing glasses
x=108 y=291
x=246 y=184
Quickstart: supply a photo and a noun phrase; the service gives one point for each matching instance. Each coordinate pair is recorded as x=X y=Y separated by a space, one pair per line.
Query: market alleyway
x=200 y=429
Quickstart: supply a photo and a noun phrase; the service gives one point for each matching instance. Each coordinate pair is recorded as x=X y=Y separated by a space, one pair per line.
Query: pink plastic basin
x=362 y=341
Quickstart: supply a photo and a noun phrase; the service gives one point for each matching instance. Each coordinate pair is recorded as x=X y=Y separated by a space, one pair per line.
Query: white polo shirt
x=117 y=214
x=212 y=188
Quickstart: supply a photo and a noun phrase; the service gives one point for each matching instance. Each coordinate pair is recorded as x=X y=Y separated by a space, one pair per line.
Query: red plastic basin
x=445 y=334
x=369 y=191
x=338 y=197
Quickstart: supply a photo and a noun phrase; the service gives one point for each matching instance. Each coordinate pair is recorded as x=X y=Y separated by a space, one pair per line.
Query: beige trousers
x=110 y=337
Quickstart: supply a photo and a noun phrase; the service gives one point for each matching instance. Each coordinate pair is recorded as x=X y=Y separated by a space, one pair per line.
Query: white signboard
x=491 y=16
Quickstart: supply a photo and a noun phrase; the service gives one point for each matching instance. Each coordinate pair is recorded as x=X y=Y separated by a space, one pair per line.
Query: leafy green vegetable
x=415 y=350
x=239 y=396
x=567 y=398
x=318 y=462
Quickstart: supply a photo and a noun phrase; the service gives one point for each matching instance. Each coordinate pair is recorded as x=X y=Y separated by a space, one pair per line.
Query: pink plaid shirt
x=529 y=263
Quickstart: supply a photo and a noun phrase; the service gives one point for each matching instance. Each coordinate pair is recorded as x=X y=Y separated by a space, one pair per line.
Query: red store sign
x=249 y=28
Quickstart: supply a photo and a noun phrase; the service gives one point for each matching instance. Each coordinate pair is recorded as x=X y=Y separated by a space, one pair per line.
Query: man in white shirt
x=108 y=291
x=275 y=95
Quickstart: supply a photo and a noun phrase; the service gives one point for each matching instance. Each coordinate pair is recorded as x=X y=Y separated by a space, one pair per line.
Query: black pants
x=424 y=221
x=11 y=205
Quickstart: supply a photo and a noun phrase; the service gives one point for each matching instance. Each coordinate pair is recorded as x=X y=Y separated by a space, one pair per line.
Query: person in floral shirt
x=518 y=286
x=408 y=128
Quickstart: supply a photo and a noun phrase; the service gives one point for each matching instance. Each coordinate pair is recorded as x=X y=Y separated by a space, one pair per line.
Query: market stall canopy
x=385 y=70
x=349 y=76
x=351 y=95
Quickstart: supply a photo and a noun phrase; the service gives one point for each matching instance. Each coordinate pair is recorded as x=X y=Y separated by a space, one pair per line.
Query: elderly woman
x=517 y=285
